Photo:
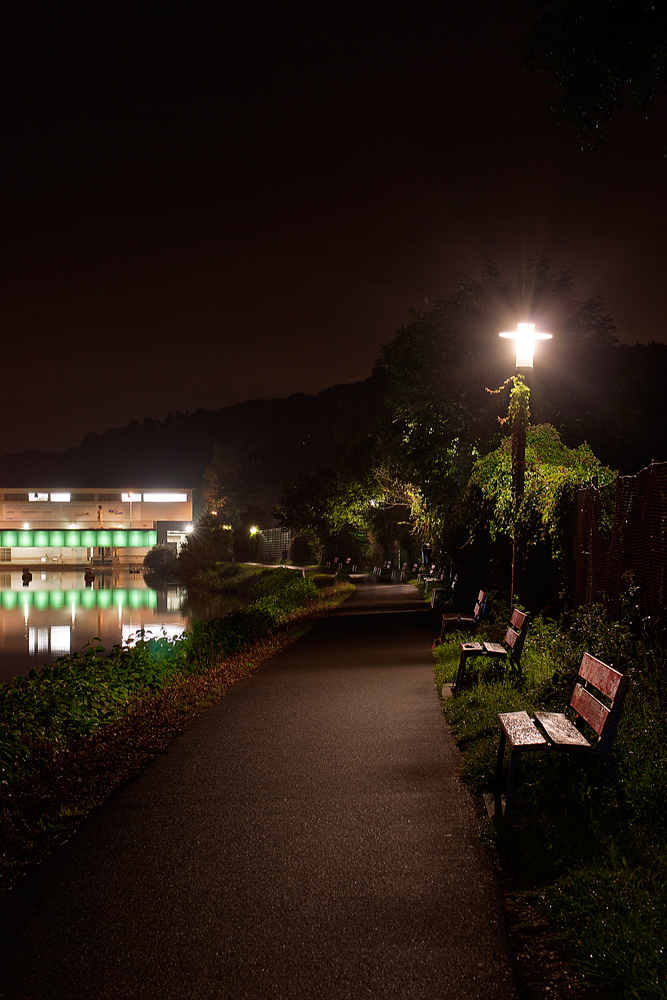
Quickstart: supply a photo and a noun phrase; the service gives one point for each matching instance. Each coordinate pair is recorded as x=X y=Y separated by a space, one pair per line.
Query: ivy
x=553 y=474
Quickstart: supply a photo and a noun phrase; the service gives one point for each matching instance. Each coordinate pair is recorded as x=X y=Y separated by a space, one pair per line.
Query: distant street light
x=525 y=336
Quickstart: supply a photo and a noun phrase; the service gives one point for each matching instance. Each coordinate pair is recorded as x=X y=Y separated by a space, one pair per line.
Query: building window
x=165 y=497
x=5 y=579
x=82 y=497
x=60 y=497
x=38 y=497
x=108 y=496
x=16 y=497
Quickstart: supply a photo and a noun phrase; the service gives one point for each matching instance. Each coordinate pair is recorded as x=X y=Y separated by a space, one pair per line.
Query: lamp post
x=525 y=337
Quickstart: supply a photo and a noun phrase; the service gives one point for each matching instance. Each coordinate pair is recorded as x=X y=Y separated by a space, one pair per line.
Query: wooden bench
x=510 y=648
x=554 y=731
x=469 y=621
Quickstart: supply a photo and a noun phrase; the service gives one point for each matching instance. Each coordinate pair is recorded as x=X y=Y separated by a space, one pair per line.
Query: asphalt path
x=307 y=837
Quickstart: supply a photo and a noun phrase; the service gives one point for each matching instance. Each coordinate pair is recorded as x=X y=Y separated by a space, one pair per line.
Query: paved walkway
x=305 y=838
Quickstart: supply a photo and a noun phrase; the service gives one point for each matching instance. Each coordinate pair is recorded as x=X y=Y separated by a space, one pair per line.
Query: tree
x=209 y=543
x=603 y=57
x=435 y=371
x=333 y=505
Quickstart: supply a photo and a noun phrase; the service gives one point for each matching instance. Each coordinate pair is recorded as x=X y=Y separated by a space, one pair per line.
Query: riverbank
x=43 y=808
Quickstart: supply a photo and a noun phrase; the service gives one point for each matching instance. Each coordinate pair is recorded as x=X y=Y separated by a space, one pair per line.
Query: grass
x=595 y=866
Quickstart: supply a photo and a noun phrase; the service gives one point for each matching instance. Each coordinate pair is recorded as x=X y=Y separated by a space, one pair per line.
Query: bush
x=161 y=561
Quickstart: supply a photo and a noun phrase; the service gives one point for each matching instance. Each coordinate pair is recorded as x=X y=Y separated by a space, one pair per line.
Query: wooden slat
x=604 y=678
x=495 y=649
x=589 y=708
x=517 y=620
x=472 y=647
x=560 y=730
x=511 y=638
x=520 y=730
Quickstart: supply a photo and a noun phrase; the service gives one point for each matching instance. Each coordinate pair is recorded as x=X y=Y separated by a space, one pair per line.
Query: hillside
x=267 y=442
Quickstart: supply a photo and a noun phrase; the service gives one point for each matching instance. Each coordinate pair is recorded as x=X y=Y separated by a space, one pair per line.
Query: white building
x=90 y=526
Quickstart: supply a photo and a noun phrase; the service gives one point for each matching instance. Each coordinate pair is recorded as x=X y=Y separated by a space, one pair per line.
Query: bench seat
x=520 y=730
x=560 y=730
x=554 y=731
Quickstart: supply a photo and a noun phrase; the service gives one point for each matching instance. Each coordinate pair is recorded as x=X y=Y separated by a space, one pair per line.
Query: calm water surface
x=57 y=612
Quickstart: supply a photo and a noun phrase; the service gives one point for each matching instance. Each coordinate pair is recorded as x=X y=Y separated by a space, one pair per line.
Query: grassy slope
x=575 y=858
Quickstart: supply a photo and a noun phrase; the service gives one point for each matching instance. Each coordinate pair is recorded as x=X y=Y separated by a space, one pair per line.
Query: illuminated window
x=165 y=497
x=60 y=497
x=60 y=639
x=38 y=497
x=131 y=497
x=38 y=640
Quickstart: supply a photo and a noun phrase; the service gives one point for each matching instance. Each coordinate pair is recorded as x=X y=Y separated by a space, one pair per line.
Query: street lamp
x=525 y=336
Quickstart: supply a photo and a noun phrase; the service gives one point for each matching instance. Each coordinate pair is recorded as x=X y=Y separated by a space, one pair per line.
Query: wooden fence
x=627 y=546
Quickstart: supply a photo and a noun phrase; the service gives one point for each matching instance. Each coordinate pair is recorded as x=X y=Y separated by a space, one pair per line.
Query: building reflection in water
x=58 y=612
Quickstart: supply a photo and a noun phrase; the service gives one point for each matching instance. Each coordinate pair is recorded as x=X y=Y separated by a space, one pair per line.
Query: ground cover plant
x=596 y=866
x=71 y=732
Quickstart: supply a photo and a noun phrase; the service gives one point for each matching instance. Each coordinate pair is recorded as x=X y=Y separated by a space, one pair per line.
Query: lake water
x=58 y=612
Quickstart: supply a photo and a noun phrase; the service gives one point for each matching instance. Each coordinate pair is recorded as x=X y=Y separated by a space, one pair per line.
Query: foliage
x=542 y=521
x=598 y=868
x=44 y=712
x=305 y=549
x=603 y=57
x=161 y=561
x=333 y=505
x=281 y=590
x=518 y=414
x=209 y=543
x=553 y=473
x=79 y=693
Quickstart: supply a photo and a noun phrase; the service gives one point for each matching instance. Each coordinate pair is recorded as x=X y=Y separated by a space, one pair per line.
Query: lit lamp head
x=525 y=336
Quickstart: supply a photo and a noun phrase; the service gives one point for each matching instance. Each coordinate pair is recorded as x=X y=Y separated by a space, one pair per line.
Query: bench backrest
x=594 y=675
x=480 y=606
x=516 y=633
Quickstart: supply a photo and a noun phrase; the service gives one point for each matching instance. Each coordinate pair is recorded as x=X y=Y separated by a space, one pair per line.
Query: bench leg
x=459 y=676
x=511 y=774
x=498 y=776
x=499 y=757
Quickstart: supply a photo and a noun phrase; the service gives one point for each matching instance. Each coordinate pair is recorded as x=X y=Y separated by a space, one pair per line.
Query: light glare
x=525 y=337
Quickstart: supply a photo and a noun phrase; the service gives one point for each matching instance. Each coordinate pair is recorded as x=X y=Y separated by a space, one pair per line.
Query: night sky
x=202 y=206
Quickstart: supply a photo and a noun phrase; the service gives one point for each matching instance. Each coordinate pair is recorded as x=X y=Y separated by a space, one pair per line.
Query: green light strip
x=117 y=538
x=79 y=598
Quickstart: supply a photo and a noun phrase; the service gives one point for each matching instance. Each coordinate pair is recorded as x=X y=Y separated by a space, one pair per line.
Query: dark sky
x=202 y=206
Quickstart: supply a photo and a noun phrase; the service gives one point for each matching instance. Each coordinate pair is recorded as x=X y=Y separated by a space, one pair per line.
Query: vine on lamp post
x=518 y=415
